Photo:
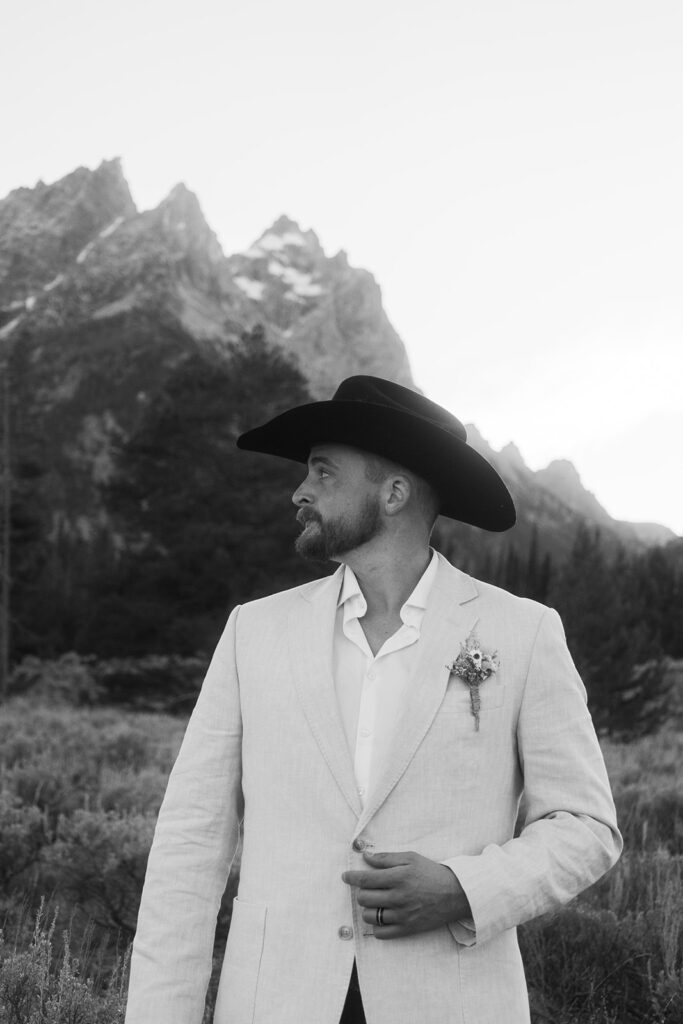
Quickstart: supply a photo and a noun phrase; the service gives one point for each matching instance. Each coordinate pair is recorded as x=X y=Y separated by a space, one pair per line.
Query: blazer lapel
x=311 y=632
x=448 y=620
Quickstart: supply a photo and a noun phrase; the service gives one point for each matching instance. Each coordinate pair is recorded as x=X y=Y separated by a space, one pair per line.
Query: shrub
x=99 y=860
x=586 y=968
x=157 y=682
x=651 y=820
x=617 y=951
x=67 y=680
x=36 y=988
x=23 y=835
x=61 y=759
x=129 y=792
x=126 y=746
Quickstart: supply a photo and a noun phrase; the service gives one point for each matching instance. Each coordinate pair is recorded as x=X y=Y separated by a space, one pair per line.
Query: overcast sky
x=511 y=172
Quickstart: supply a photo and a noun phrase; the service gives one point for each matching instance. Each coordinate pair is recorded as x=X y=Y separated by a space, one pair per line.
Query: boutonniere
x=474 y=665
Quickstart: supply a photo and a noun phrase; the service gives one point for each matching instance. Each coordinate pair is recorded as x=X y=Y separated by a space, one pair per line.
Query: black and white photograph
x=341 y=512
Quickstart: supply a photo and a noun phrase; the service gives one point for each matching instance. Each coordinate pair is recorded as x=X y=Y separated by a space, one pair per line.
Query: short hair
x=377 y=469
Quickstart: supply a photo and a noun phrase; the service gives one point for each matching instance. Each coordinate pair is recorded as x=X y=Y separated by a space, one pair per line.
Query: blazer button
x=345 y=932
x=359 y=845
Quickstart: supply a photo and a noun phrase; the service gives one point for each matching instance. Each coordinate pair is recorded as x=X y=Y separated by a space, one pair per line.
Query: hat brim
x=469 y=488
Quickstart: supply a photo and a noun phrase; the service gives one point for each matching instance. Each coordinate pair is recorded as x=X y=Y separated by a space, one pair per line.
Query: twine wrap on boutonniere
x=474 y=665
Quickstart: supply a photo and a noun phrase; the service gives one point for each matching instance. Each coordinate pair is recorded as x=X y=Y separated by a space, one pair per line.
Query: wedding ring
x=380 y=916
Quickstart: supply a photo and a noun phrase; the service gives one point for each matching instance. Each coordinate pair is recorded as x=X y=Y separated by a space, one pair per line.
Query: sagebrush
x=80 y=789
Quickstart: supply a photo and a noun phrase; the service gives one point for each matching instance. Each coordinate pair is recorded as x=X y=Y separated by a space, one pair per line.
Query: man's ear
x=397 y=495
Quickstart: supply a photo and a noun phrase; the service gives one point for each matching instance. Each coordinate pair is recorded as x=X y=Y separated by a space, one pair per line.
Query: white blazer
x=265 y=743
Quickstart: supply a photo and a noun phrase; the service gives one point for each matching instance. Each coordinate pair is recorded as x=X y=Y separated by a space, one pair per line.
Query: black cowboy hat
x=386 y=419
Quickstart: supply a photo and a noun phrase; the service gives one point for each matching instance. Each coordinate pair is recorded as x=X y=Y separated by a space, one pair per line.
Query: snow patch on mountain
x=111 y=228
x=270 y=243
x=9 y=327
x=53 y=283
x=253 y=289
x=299 y=281
x=85 y=252
x=273 y=242
x=121 y=305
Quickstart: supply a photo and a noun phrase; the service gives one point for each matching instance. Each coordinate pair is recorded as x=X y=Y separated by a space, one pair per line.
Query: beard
x=325 y=540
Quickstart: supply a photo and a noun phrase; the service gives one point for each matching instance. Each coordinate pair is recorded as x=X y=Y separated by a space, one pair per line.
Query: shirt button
x=371 y=673
x=345 y=932
x=359 y=845
x=365 y=731
x=361 y=791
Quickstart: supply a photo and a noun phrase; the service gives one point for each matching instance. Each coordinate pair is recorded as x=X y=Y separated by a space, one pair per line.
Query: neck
x=388 y=577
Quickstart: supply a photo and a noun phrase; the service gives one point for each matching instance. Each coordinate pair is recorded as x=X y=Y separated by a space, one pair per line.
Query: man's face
x=338 y=506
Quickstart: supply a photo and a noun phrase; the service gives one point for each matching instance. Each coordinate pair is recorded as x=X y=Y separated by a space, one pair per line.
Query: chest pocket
x=457 y=698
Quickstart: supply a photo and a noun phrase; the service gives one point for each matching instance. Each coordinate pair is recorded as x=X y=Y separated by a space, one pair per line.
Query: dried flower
x=474 y=665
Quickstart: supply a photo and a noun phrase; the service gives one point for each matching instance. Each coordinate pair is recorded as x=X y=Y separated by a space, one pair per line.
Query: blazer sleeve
x=194 y=844
x=569 y=836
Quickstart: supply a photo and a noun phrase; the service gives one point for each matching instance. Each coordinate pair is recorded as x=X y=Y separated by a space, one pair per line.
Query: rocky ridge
x=555 y=501
x=100 y=302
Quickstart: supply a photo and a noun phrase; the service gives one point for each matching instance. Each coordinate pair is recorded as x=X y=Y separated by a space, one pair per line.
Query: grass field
x=79 y=793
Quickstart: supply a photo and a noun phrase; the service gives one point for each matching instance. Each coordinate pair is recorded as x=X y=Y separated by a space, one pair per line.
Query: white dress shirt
x=371 y=688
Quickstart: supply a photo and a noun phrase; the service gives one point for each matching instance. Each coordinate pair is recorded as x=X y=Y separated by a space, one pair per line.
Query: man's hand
x=417 y=894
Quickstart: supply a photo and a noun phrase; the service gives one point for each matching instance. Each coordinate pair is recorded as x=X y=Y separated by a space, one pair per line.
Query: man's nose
x=302 y=495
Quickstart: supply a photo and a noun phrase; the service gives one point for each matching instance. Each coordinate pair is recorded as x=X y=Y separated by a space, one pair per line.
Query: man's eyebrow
x=322 y=460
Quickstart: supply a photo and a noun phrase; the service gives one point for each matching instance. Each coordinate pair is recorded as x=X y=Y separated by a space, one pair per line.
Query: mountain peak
x=285 y=236
x=284 y=224
x=181 y=216
x=477 y=440
x=561 y=477
x=182 y=205
x=511 y=457
x=110 y=172
x=43 y=228
x=182 y=196
x=563 y=469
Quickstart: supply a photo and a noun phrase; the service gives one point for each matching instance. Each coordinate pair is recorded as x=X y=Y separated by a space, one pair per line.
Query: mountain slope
x=100 y=303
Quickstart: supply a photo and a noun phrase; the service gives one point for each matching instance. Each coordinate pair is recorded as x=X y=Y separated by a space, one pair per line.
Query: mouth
x=305 y=517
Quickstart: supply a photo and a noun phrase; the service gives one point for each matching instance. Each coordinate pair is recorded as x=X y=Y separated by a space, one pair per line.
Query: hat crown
x=376 y=391
x=387 y=419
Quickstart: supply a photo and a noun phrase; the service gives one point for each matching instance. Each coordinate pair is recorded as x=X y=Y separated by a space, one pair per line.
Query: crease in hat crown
x=376 y=390
x=402 y=425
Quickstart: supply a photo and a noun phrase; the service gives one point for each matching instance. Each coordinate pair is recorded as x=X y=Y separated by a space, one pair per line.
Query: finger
x=389 y=917
x=387 y=859
x=392 y=931
x=369 y=879
x=377 y=898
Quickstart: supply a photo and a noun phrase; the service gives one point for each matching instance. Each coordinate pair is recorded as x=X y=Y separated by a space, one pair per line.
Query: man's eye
x=322 y=473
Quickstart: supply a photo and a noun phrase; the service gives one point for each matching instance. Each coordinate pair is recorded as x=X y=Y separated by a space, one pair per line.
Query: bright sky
x=511 y=171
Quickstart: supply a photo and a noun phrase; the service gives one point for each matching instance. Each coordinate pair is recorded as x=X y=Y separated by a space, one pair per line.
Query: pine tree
x=512 y=578
x=206 y=525
x=615 y=651
x=545 y=578
x=532 y=567
x=5 y=523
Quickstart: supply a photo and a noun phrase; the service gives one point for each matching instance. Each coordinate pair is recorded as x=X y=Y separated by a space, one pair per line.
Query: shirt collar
x=355 y=605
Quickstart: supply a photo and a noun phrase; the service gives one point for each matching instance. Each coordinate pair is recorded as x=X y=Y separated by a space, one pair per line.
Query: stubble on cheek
x=325 y=541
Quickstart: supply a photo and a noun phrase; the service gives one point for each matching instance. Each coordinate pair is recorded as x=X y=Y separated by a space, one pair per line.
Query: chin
x=311 y=548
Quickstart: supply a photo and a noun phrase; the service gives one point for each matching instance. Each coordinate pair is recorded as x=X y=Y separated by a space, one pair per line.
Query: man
x=376 y=731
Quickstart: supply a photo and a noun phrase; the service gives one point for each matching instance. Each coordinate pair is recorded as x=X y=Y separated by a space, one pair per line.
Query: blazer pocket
x=457 y=700
x=236 y=997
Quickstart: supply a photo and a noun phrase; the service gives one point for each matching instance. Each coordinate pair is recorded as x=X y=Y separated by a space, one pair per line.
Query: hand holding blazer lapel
x=449 y=618
x=311 y=632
